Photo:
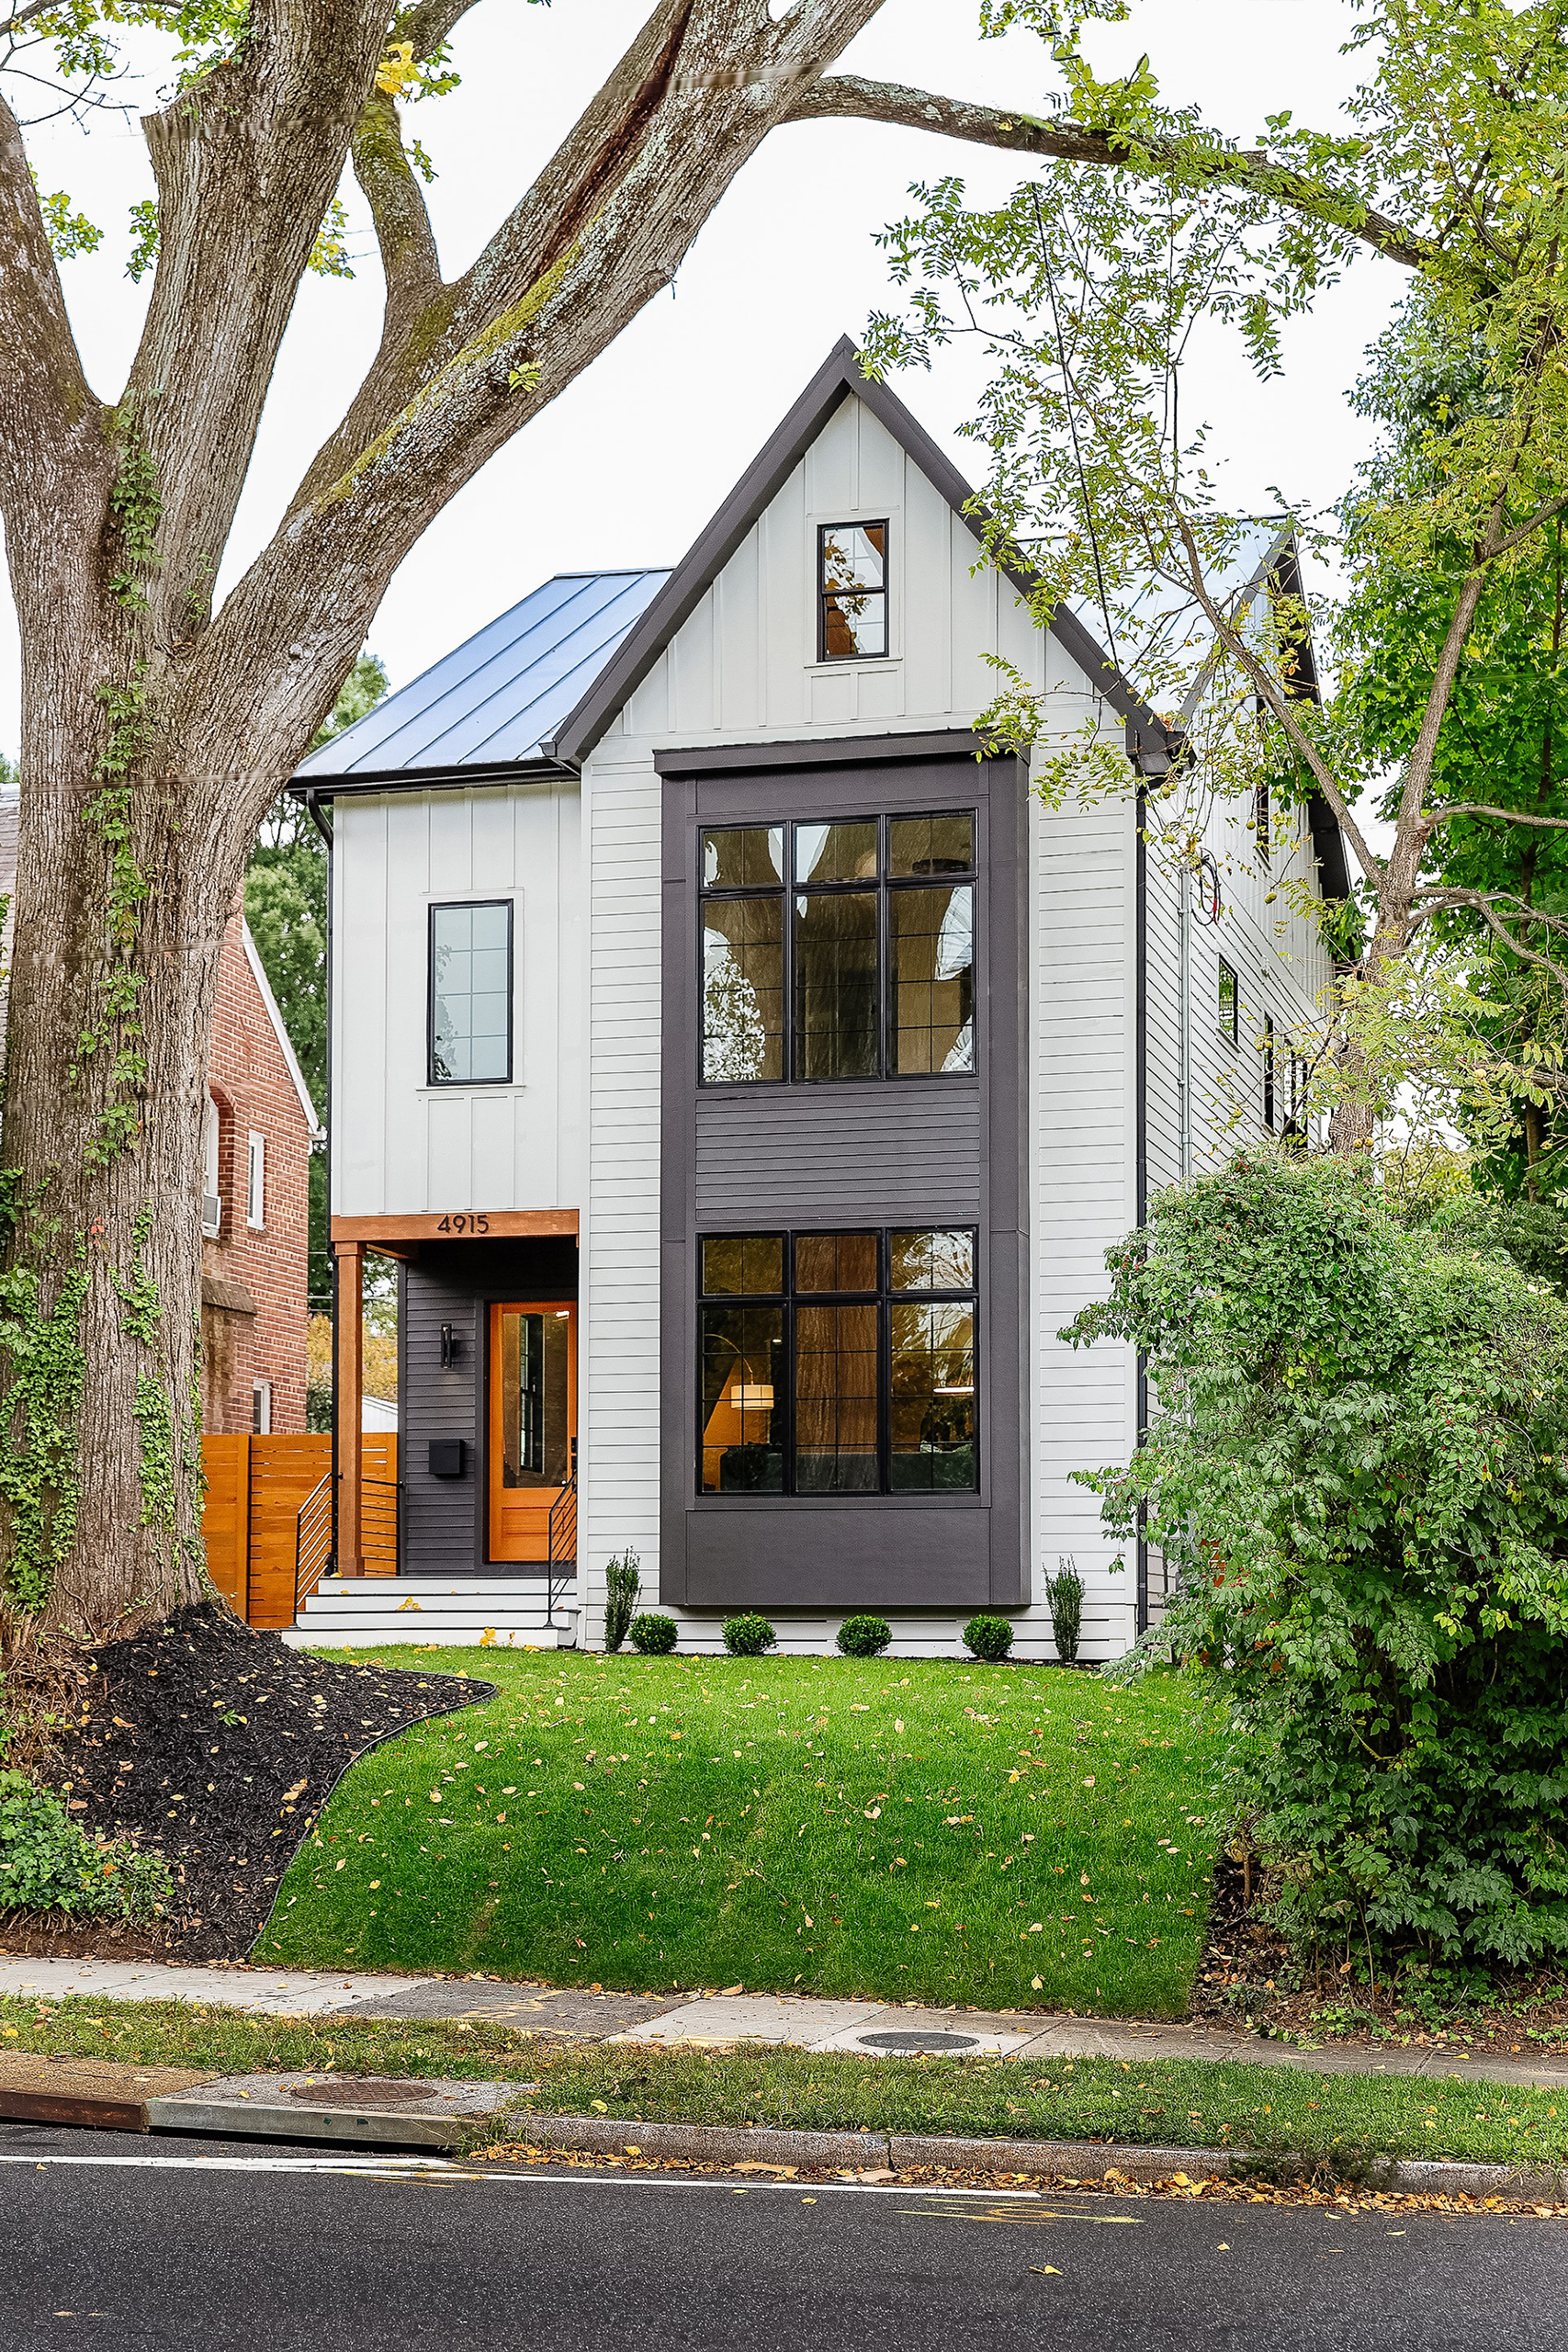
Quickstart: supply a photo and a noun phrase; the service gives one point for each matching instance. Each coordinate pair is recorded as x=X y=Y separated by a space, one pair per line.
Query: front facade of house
x=750 y=1078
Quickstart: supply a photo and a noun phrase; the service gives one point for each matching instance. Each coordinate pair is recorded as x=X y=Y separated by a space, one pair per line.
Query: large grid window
x=837 y=1363
x=841 y=950
x=470 y=994
x=851 y=592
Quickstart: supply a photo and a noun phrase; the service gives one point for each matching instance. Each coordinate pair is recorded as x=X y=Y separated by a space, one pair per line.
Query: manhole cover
x=375 y=2091
x=900 y=2042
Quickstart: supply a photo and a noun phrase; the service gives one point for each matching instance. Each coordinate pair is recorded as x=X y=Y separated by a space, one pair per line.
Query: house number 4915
x=463 y=1224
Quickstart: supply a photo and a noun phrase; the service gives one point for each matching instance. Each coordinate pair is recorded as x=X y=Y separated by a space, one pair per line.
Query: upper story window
x=1260 y=822
x=851 y=592
x=470 y=994
x=255 y=1180
x=211 y=1197
x=838 y=951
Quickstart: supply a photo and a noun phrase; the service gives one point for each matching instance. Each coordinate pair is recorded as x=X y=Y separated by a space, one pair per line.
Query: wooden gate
x=254 y=1489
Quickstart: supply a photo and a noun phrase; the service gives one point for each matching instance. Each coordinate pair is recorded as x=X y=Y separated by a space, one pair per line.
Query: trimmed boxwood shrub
x=749 y=1636
x=653 y=1637
x=864 y=1636
x=988 y=1637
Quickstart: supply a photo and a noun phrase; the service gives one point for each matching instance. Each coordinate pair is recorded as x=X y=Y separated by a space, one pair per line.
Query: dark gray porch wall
x=444 y=1522
x=894 y=1152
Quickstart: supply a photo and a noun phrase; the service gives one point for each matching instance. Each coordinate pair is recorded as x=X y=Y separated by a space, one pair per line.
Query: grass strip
x=1012 y=1836
x=1161 y=2102
x=233 y=2042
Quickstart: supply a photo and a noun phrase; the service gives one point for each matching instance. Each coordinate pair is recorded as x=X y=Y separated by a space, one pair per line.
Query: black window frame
x=885 y=884
x=1263 y=824
x=1269 y=1085
x=884 y=1298
x=446 y=905
x=881 y=523
x=1230 y=1030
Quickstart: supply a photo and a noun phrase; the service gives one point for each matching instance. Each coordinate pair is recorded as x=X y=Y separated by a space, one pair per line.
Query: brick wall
x=254 y=1282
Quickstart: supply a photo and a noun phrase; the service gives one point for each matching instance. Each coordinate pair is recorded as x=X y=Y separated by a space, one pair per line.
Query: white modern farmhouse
x=748 y=1078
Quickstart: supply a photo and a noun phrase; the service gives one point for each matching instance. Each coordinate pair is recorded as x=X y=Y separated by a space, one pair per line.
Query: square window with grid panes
x=841 y=950
x=837 y=1363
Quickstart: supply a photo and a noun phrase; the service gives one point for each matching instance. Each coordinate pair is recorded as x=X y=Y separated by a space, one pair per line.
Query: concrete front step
x=503 y=1613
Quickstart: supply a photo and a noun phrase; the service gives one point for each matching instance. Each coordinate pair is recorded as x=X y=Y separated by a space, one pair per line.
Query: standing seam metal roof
x=498 y=696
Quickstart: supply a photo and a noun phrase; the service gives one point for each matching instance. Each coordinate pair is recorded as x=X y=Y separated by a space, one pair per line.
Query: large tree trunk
x=110 y=1008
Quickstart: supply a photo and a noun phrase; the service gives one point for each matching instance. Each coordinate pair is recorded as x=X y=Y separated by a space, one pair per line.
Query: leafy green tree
x=1084 y=291
x=1357 y=1462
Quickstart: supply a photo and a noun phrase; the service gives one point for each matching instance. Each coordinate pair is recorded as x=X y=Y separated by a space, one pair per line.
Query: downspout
x=1141 y=1156
x=1184 y=1080
x=313 y=803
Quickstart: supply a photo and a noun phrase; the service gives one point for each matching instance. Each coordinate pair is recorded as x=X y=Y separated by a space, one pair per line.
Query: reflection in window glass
x=931 y=1424
x=470 y=994
x=535 y=1388
x=835 y=1400
x=836 y=852
x=837 y=992
x=744 y=857
x=742 y=989
x=743 y=1262
x=835 y=1262
x=930 y=945
x=931 y=845
x=939 y=1260
x=852 y=589
x=743 y=1431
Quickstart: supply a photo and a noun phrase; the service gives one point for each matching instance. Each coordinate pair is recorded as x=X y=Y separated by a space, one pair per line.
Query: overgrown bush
x=749 y=1636
x=1358 y=1463
x=653 y=1637
x=989 y=1638
x=864 y=1636
x=48 y=1864
x=1063 y=1598
x=622 y=1584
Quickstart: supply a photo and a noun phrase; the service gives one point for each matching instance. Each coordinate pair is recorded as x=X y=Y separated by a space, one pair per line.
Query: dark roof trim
x=384 y=780
x=838 y=377
x=844 y=750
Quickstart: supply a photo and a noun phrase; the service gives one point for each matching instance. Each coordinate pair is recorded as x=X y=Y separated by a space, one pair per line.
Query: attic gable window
x=851 y=592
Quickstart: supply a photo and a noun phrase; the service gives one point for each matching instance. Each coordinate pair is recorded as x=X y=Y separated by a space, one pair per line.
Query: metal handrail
x=562 y=1541
x=313 y=1540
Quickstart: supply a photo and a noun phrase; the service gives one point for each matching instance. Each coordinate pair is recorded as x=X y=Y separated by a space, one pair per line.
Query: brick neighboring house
x=257 y=1132
x=259 y=1126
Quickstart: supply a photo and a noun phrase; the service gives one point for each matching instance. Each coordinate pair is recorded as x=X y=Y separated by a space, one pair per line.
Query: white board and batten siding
x=742 y=669
x=401 y=1146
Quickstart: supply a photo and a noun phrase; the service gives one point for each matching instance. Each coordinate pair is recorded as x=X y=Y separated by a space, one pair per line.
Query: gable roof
x=837 y=380
x=493 y=700
x=274 y=1013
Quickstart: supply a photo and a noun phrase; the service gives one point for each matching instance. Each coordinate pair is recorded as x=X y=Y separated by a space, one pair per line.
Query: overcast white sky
x=625 y=466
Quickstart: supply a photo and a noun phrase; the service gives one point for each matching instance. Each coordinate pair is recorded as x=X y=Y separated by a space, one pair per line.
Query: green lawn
x=932 y=1831
x=1162 y=2103
x=1273 y=2109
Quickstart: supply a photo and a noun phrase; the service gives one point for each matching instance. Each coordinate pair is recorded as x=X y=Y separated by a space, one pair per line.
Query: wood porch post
x=349 y=1407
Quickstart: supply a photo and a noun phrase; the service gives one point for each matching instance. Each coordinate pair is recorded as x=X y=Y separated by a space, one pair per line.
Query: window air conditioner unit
x=211 y=1215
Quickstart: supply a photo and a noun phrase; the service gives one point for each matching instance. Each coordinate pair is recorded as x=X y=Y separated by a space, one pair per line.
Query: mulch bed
x=219 y=1747
x=1248 y=1975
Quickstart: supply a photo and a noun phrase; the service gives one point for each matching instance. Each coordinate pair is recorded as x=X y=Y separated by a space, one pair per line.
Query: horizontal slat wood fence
x=254 y=1489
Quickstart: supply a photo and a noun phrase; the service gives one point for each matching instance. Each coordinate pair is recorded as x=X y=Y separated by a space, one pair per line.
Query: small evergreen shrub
x=749 y=1636
x=48 y=1864
x=864 y=1636
x=989 y=1638
x=653 y=1637
x=1063 y=1598
x=621 y=1585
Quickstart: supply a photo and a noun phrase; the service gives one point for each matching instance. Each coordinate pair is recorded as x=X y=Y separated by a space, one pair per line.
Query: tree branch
x=1479 y=808
x=430 y=22
x=44 y=395
x=1482 y=903
x=409 y=259
x=852 y=97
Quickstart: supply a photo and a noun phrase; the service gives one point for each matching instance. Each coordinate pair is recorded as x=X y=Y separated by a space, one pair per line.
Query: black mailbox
x=448 y=1457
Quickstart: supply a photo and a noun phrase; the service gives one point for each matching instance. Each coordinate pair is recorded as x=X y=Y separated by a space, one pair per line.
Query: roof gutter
x=376 y=782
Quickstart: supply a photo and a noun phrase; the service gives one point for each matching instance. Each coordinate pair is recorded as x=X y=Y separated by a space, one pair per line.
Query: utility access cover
x=371 y=2091
x=899 y=2044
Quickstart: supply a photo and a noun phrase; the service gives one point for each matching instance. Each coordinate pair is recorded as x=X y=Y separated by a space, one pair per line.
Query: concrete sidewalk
x=868 y=2028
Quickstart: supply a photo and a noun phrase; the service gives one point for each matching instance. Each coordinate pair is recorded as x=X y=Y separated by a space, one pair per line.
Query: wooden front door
x=533 y=1422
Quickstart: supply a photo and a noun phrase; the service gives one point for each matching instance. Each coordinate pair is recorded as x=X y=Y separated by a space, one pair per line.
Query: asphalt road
x=159 y=2246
